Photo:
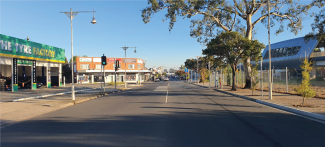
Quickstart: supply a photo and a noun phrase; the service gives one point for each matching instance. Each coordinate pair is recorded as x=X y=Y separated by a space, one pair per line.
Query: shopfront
x=90 y=70
x=27 y=64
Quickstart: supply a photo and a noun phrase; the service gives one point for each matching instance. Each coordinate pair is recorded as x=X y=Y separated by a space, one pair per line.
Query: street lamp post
x=135 y=51
x=268 y=28
x=71 y=15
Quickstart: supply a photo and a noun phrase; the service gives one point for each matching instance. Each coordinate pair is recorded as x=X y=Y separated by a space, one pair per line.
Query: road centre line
x=167 y=93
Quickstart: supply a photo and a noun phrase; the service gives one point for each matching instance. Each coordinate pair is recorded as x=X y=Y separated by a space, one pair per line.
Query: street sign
x=186 y=70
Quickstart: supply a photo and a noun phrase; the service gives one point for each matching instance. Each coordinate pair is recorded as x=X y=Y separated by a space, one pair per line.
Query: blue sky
x=119 y=23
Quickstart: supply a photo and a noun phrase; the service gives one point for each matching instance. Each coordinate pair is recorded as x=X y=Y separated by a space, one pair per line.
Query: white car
x=157 y=80
x=166 y=79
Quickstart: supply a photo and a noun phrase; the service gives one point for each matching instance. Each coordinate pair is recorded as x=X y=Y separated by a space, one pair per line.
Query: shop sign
x=34 y=71
x=129 y=60
x=49 y=77
x=119 y=59
x=24 y=62
x=97 y=60
x=110 y=60
x=23 y=49
x=85 y=59
x=140 y=61
x=15 y=71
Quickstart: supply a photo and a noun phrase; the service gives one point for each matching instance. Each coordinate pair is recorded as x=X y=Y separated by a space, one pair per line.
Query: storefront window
x=131 y=77
x=131 y=66
x=98 y=66
x=84 y=66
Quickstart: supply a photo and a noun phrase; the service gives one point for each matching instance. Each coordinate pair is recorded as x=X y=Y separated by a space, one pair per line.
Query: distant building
x=88 y=70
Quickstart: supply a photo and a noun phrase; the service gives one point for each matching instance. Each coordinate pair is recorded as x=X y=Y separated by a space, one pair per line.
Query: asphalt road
x=192 y=117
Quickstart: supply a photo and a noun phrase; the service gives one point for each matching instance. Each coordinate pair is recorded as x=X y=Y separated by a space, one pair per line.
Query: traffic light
x=104 y=60
x=117 y=65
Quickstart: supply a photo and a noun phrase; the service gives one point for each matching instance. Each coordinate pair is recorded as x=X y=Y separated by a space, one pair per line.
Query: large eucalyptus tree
x=235 y=15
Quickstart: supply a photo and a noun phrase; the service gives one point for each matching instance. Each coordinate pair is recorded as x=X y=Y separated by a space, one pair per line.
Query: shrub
x=117 y=83
x=304 y=88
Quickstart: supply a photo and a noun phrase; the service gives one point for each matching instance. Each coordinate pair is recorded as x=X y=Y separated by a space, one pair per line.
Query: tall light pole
x=71 y=15
x=269 y=41
x=135 y=51
x=270 y=66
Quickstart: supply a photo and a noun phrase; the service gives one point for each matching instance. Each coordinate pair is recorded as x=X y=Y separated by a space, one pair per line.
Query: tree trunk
x=303 y=101
x=247 y=62
x=247 y=70
x=233 y=67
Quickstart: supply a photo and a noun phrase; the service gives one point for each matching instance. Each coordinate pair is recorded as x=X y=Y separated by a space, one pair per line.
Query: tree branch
x=260 y=6
x=241 y=11
x=272 y=13
x=214 y=18
x=247 y=7
x=232 y=26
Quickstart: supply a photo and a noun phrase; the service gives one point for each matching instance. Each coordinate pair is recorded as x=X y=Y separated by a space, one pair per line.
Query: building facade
x=89 y=70
x=24 y=63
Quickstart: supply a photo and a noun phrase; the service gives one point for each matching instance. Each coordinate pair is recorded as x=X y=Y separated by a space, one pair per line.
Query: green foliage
x=164 y=74
x=255 y=80
x=320 y=78
x=190 y=63
x=188 y=76
x=230 y=47
x=305 y=87
x=66 y=60
x=221 y=15
x=318 y=28
x=74 y=59
x=204 y=74
x=117 y=83
x=317 y=50
x=180 y=73
x=225 y=16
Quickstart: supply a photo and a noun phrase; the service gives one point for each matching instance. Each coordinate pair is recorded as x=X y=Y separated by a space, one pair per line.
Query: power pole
x=135 y=51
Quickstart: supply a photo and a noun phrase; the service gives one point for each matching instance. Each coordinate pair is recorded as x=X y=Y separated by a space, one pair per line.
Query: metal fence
x=282 y=80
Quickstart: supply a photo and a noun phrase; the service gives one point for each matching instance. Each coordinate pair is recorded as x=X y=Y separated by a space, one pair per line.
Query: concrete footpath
x=280 y=101
x=12 y=112
x=8 y=96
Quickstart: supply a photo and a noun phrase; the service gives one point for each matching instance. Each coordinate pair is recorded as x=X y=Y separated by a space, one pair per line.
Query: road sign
x=186 y=70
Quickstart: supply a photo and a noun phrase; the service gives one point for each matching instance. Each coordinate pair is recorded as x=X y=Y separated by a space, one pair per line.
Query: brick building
x=89 y=70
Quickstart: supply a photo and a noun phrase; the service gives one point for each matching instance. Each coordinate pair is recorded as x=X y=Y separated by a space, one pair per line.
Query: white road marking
x=167 y=93
x=161 y=88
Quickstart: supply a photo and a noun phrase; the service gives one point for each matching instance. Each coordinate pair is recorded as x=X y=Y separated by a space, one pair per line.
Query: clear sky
x=119 y=23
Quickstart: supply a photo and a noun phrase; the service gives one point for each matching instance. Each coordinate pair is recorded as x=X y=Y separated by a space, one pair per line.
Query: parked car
x=157 y=80
x=166 y=79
